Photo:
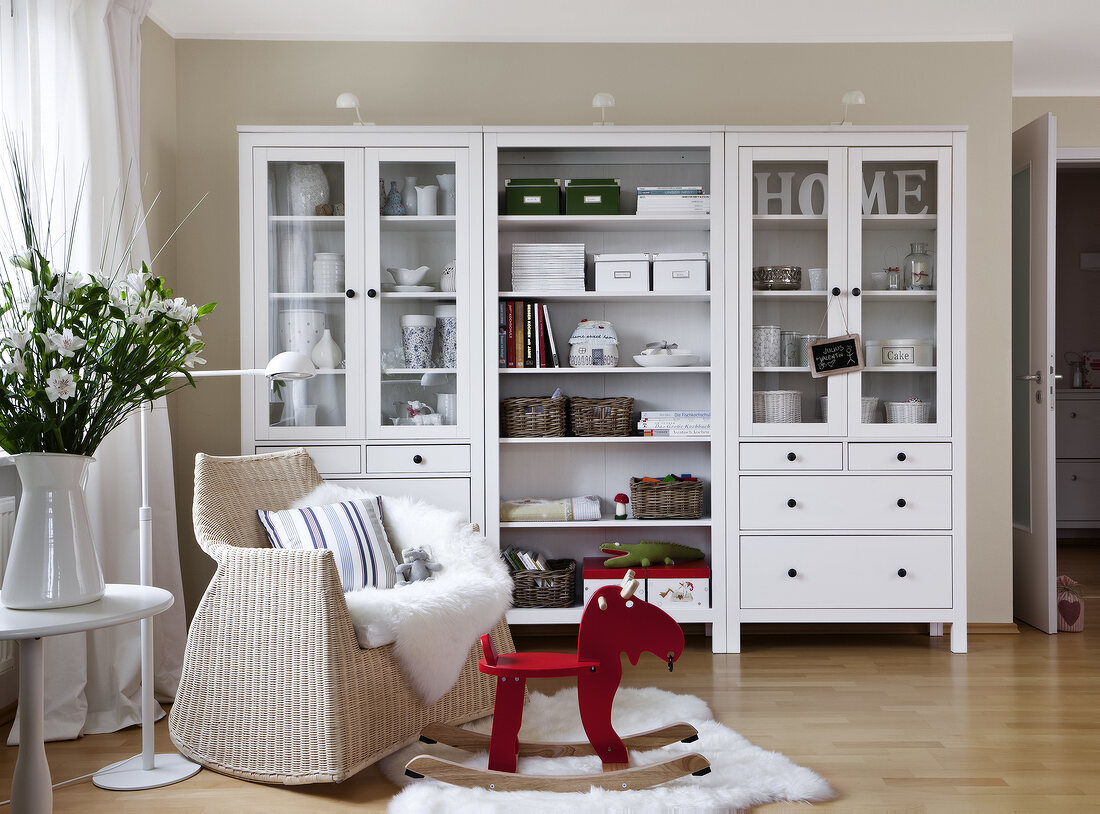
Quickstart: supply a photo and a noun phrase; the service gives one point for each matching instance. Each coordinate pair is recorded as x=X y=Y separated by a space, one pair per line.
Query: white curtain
x=75 y=95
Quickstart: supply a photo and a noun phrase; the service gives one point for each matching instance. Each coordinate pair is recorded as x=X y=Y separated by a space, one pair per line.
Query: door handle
x=1036 y=377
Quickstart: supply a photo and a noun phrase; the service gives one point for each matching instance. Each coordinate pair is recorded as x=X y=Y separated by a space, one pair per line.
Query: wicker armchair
x=275 y=687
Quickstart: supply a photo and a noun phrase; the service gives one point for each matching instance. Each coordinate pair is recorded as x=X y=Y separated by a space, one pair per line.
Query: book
x=672 y=424
x=510 y=334
x=528 y=335
x=676 y=414
x=502 y=334
x=540 y=333
x=691 y=432
x=518 y=341
x=550 y=336
x=675 y=190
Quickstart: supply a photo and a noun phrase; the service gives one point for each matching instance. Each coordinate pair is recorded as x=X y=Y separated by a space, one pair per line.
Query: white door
x=1033 y=514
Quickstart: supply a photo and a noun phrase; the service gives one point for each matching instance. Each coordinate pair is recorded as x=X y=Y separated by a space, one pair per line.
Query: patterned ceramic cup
x=417 y=339
x=447 y=335
x=765 y=345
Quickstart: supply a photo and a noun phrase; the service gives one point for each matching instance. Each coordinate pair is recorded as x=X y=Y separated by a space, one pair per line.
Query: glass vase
x=917 y=268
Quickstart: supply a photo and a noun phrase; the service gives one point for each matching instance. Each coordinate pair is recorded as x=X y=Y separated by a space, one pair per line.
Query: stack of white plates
x=328 y=272
x=548 y=267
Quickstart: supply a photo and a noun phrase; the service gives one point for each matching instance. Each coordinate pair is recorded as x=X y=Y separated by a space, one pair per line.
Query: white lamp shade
x=853 y=97
x=603 y=100
x=290 y=365
x=347 y=100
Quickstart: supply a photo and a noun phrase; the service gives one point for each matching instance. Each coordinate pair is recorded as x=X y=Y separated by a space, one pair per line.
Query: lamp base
x=127 y=775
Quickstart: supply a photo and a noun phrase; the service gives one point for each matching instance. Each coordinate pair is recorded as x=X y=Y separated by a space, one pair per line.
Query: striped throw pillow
x=352 y=530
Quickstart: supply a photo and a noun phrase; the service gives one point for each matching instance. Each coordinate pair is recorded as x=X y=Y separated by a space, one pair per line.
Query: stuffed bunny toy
x=417 y=565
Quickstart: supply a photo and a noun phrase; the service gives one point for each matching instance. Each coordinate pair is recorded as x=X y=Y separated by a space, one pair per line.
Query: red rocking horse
x=613 y=622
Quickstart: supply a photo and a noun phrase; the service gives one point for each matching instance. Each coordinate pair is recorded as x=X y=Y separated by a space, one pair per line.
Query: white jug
x=425 y=200
x=447 y=184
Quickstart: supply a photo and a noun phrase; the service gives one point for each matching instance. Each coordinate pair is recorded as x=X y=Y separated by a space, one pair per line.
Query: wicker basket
x=658 y=500
x=868 y=406
x=757 y=406
x=782 y=406
x=908 y=412
x=532 y=417
x=556 y=590
x=608 y=416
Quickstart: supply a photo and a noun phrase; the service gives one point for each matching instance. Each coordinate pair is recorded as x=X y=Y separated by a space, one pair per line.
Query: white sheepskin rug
x=434 y=623
x=742 y=775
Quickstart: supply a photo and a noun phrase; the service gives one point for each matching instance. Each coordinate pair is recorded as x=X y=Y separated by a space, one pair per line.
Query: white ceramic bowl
x=300 y=328
x=667 y=360
x=408 y=276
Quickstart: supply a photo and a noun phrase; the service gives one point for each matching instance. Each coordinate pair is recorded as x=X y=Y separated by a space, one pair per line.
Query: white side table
x=31 y=789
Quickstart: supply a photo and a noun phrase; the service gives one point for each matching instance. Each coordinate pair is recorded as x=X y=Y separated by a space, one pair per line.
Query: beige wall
x=223 y=84
x=1078 y=117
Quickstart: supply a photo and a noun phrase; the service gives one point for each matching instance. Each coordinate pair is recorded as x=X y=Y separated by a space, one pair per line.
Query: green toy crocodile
x=648 y=552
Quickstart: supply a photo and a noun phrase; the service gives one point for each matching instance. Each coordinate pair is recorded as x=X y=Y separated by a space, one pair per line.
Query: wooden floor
x=896 y=723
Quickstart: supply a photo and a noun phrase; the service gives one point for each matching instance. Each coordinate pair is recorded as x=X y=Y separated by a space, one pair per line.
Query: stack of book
x=520 y=560
x=675 y=423
x=683 y=200
x=525 y=338
x=548 y=267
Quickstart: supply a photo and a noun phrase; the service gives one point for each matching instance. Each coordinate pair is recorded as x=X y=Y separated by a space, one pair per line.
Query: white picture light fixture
x=852 y=97
x=150 y=770
x=603 y=101
x=349 y=101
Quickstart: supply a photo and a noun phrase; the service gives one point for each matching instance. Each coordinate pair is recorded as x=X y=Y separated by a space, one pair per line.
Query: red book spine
x=540 y=332
x=510 y=345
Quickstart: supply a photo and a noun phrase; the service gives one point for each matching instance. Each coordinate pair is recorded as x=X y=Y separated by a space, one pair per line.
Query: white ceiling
x=1055 y=43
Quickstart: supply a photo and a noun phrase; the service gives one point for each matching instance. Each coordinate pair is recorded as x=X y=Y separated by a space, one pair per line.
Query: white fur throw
x=433 y=623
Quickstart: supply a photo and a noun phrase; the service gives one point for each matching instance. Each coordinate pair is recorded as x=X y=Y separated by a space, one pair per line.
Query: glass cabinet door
x=791 y=259
x=418 y=293
x=900 y=263
x=308 y=240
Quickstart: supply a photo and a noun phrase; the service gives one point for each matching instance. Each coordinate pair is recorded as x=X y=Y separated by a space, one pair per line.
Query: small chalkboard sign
x=837 y=354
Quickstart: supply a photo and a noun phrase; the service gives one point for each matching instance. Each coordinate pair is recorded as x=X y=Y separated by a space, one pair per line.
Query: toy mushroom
x=620 y=506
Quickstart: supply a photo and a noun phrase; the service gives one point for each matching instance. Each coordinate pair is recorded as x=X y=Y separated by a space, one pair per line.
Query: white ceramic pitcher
x=426 y=200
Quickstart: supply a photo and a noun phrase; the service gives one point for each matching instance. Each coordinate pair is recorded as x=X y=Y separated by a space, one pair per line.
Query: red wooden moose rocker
x=613 y=622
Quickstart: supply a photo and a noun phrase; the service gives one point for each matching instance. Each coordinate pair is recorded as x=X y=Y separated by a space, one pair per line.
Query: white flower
x=179 y=310
x=27 y=301
x=64 y=343
x=135 y=282
x=193 y=331
x=141 y=317
x=60 y=384
x=193 y=359
x=18 y=339
x=16 y=365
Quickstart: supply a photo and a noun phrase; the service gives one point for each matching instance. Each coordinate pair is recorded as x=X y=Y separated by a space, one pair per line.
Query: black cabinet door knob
x=901 y=572
x=1073 y=415
x=418 y=459
x=856 y=292
x=792 y=573
x=370 y=293
x=791 y=456
x=901 y=456
x=791 y=503
x=836 y=291
x=901 y=503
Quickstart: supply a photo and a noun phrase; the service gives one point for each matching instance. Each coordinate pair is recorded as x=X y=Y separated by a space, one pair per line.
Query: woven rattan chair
x=275 y=687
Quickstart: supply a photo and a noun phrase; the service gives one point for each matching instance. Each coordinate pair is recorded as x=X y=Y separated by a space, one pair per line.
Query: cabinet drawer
x=812 y=502
x=791 y=456
x=1078 y=484
x=446 y=493
x=898 y=456
x=845 y=572
x=1078 y=428
x=419 y=458
x=344 y=459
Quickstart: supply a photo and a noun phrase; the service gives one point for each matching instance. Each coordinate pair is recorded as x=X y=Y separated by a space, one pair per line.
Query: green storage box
x=532 y=196
x=592 y=196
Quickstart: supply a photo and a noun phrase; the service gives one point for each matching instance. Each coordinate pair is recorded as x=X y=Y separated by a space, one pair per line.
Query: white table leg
x=31 y=787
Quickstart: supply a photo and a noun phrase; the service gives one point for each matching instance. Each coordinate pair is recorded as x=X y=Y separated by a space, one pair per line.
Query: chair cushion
x=352 y=530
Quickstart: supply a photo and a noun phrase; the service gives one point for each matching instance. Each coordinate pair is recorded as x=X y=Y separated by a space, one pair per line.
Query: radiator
x=7 y=526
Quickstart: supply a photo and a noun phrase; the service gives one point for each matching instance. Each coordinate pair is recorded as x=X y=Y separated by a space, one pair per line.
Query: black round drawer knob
x=792 y=503
x=1073 y=415
x=791 y=456
x=901 y=572
x=836 y=291
x=901 y=503
x=901 y=456
x=792 y=573
x=856 y=292
x=370 y=293
x=418 y=459
x=1073 y=477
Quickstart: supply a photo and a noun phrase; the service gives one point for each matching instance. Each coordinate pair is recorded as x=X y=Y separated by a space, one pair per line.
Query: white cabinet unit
x=691 y=317
x=386 y=301
x=874 y=221
x=1077 y=420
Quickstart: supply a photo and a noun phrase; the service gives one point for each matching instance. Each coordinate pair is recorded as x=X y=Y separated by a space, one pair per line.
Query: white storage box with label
x=595 y=575
x=893 y=352
x=683 y=585
x=680 y=271
x=622 y=272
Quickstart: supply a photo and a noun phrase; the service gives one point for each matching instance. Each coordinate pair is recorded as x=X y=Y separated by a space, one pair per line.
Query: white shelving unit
x=571 y=466
x=844 y=517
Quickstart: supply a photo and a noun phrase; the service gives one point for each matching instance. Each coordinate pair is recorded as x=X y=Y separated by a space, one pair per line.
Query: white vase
x=426 y=200
x=326 y=353
x=53 y=562
x=447 y=184
x=409 y=195
x=447 y=278
x=308 y=188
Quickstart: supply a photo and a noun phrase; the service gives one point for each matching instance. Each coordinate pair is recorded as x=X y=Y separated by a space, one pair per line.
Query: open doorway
x=1077 y=345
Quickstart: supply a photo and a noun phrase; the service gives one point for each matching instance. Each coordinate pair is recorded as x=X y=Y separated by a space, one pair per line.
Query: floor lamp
x=150 y=770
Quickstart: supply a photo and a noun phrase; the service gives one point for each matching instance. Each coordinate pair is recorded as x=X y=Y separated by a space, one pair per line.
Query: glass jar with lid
x=917 y=268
